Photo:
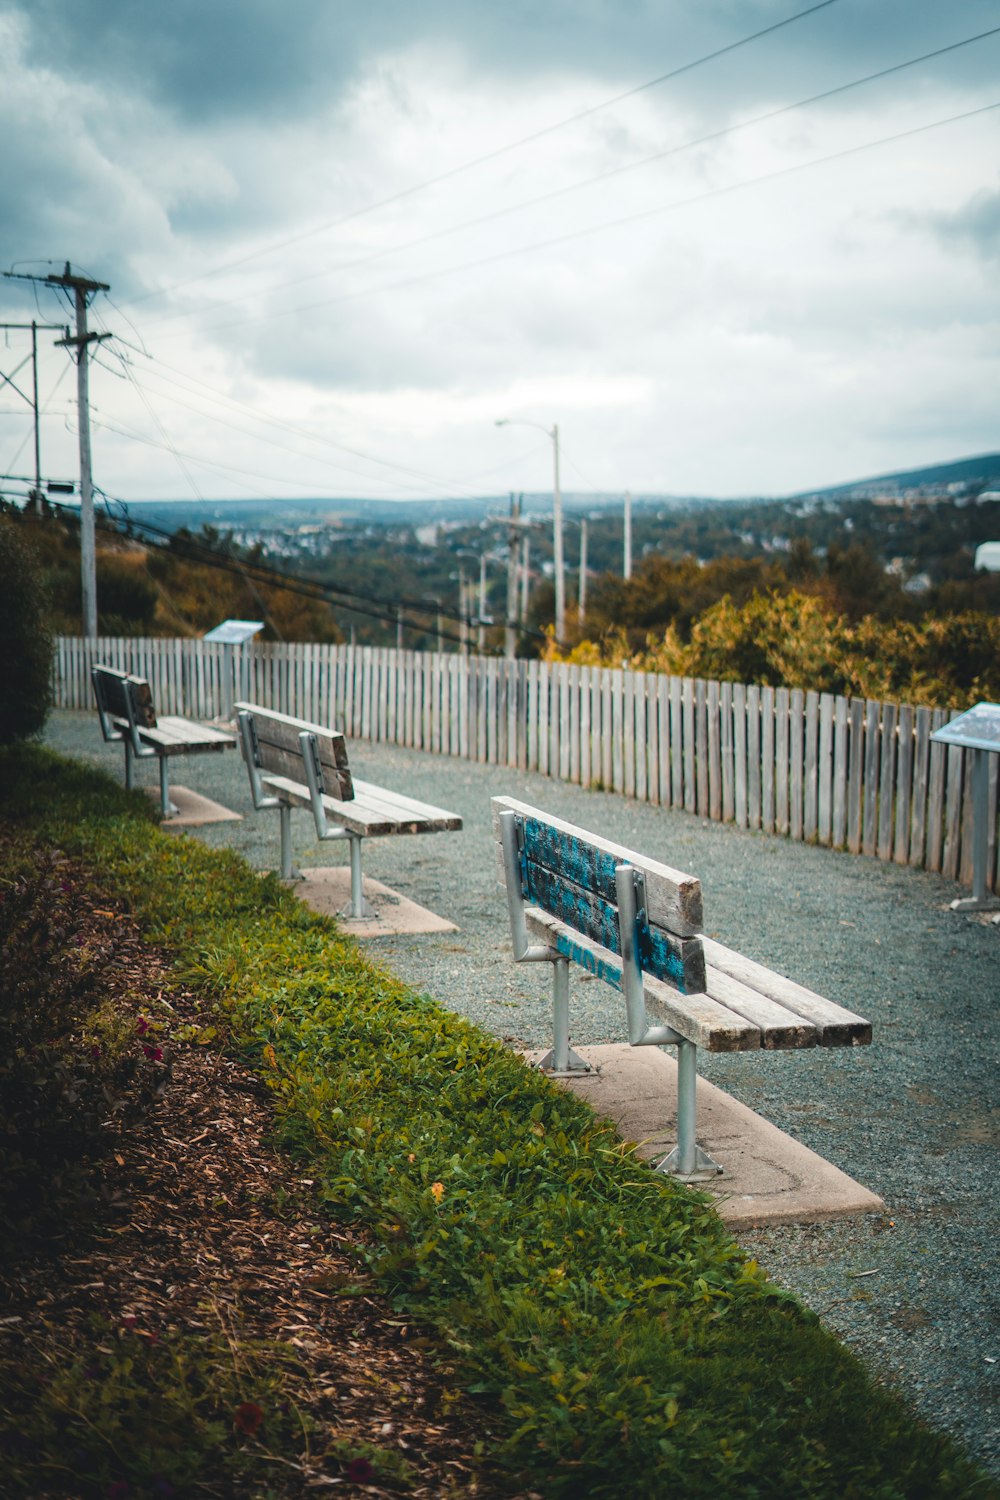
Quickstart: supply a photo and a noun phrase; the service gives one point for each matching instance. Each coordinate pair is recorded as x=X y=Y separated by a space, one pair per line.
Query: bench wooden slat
x=407 y=807
x=175 y=736
x=120 y=694
x=779 y=1027
x=673 y=899
x=281 y=753
x=365 y=815
x=836 y=1026
x=680 y=961
x=702 y=1020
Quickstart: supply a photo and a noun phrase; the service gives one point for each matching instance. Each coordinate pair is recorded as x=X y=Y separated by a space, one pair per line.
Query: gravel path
x=915 y=1117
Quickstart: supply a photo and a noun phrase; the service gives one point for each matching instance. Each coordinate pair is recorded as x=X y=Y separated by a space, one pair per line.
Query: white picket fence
x=850 y=773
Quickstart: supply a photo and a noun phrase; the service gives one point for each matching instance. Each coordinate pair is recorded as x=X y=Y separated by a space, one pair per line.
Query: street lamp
x=557 y=518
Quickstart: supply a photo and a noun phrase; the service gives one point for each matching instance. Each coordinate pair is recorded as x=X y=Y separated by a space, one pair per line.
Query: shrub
x=26 y=639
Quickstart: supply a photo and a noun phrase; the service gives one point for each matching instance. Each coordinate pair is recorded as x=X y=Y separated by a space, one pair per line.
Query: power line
x=186 y=382
x=491 y=155
x=196 y=550
x=600 y=177
x=633 y=218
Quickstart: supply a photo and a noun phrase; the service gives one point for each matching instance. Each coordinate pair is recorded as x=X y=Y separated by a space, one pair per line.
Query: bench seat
x=372 y=812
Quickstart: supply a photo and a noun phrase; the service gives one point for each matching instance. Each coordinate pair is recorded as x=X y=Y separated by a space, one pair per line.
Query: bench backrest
x=123 y=698
x=277 y=750
x=572 y=875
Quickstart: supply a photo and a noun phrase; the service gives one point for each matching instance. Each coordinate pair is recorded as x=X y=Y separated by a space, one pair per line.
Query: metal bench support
x=560 y=1061
x=262 y=799
x=359 y=909
x=688 y=1160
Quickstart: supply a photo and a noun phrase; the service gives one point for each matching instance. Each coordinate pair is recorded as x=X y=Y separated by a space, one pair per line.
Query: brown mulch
x=202 y=1224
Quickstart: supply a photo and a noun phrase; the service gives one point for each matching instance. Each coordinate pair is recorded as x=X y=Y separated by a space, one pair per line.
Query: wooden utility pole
x=513 y=546
x=481 y=638
x=581 y=605
x=35 y=492
x=83 y=288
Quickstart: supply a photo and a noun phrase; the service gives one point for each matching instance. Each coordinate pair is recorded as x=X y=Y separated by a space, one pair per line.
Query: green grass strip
x=632 y=1346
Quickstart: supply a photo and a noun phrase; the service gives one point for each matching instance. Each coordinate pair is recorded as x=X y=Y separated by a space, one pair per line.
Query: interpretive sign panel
x=977 y=729
x=238 y=632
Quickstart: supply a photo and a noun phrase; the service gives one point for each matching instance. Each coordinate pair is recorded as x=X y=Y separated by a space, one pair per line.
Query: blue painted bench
x=127 y=715
x=293 y=763
x=575 y=898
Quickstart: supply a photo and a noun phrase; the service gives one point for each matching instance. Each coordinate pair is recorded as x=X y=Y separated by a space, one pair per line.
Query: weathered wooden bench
x=636 y=923
x=292 y=763
x=126 y=711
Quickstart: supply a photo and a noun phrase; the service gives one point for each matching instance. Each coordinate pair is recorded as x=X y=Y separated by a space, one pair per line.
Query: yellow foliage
x=791 y=639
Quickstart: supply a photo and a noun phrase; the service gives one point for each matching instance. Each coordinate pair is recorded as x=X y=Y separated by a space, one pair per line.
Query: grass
x=631 y=1346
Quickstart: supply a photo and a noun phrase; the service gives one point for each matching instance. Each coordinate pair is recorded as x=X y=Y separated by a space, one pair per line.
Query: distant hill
x=984 y=470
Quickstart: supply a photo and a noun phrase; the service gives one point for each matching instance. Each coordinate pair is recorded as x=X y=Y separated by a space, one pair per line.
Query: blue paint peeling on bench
x=589 y=960
x=679 y=961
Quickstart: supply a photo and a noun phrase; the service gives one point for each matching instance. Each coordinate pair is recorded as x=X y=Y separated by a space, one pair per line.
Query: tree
x=25 y=638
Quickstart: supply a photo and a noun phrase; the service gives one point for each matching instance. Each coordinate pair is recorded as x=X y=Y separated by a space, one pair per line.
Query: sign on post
x=977 y=730
x=234 y=635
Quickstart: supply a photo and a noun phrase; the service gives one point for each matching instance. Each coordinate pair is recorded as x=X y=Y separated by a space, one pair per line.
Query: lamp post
x=557 y=518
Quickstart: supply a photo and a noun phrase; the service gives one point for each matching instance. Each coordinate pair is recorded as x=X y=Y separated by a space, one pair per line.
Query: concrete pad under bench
x=328 y=891
x=768 y=1178
x=193 y=809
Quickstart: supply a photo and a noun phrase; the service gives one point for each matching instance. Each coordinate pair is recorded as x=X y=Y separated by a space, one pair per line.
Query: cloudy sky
x=342 y=241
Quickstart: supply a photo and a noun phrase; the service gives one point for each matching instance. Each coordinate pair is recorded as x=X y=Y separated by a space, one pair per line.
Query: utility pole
x=525 y=577
x=481 y=639
x=463 y=612
x=513 y=543
x=557 y=517
x=35 y=493
x=34 y=407
x=557 y=539
x=581 y=607
x=83 y=289
x=627 y=565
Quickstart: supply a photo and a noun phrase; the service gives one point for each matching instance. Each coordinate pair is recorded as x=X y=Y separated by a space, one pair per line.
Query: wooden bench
x=292 y=763
x=637 y=923
x=125 y=708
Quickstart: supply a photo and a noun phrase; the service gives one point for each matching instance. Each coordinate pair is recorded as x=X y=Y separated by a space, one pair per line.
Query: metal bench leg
x=359 y=907
x=167 y=808
x=562 y=1061
x=288 y=871
x=688 y=1161
x=129 y=771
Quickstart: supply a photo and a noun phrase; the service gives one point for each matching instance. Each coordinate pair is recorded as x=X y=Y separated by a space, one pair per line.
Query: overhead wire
x=356 y=601
x=498 y=152
x=185 y=381
x=608 y=224
x=398 y=248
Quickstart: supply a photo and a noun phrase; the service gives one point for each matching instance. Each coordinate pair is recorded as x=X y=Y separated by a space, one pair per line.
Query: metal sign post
x=233 y=635
x=978 y=730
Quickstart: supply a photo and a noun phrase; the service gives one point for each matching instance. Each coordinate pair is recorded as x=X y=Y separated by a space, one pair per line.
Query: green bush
x=25 y=639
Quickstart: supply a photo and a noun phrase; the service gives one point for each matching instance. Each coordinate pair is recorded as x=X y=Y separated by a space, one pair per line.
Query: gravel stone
x=915 y=1117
